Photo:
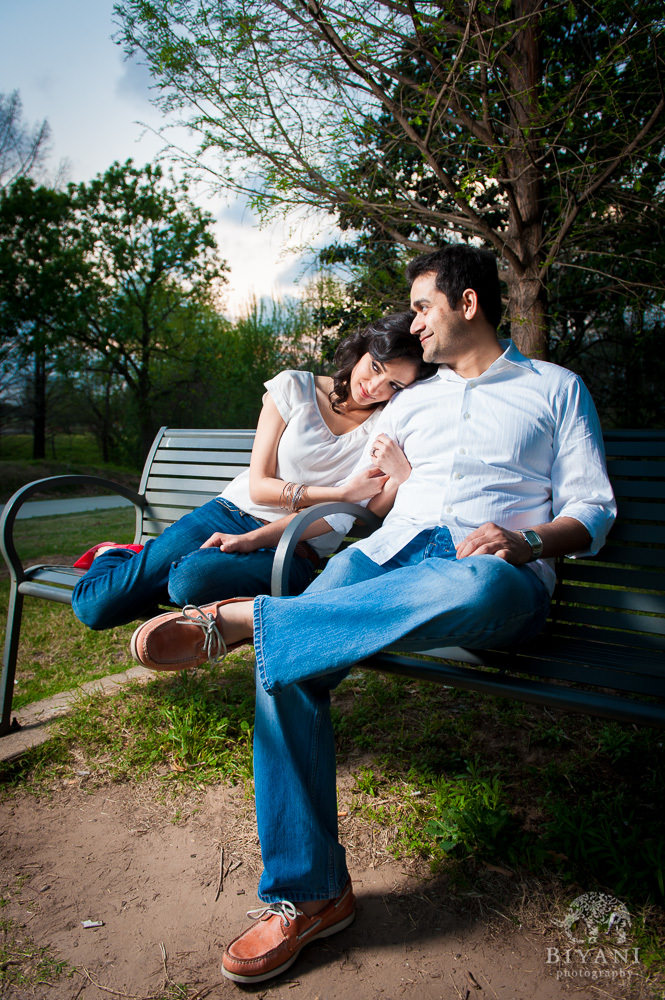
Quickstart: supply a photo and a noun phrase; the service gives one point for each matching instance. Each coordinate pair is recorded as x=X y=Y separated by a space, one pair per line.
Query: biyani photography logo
x=597 y=927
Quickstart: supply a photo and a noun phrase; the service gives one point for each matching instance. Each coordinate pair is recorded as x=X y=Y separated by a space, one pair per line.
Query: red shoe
x=178 y=640
x=272 y=944
x=85 y=561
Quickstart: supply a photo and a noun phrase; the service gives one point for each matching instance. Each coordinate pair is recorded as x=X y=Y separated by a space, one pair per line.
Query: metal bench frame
x=602 y=653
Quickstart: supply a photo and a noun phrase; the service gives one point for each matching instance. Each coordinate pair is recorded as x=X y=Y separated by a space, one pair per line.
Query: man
x=507 y=471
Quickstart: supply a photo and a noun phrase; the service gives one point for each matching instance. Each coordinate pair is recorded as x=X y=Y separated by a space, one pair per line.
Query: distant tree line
x=110 y=315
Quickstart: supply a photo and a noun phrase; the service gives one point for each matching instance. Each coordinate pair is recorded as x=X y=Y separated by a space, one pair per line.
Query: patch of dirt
x=148 y=867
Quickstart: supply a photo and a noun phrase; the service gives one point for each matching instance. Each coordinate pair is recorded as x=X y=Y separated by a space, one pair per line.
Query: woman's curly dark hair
x=385 y=339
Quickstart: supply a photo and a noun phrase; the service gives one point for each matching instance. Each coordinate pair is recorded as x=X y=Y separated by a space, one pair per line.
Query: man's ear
x=469 y=303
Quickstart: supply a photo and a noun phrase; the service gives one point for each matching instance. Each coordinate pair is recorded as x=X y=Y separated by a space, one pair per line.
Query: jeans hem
x=298 y=896
x=258 y=646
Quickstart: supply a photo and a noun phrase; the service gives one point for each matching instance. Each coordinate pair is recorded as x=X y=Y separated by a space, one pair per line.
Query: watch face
x=535 y=541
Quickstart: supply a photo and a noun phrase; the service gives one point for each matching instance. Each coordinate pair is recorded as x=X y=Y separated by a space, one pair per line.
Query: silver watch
x=534 y=541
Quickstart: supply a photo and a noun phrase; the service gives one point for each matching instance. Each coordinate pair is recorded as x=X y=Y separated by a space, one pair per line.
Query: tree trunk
x=528 y=325
x=39 y=401
x=525 y=230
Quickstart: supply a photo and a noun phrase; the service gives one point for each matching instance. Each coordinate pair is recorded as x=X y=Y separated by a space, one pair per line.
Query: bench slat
x=638 y=511
x=642 y=489
x=631 y=579
x=214 y=485
x=194 y=441
x=637 y=467
x=603 y=619
x=169 y=504
x=652 y=604
x=650 y=534
x=624 y=555
x=240 y=457
x=634 y=643
x=594 y=702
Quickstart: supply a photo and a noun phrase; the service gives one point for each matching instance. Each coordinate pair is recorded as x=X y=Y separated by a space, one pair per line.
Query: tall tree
x=22 y=148
x=153 y=263
x=513 y=122
x=41 y=267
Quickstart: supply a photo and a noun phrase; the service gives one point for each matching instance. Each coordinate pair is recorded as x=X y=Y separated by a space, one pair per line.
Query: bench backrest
x=623 y=588
x=185 y=469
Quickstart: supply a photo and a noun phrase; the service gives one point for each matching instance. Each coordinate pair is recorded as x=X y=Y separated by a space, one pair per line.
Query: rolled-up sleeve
x=580 y=485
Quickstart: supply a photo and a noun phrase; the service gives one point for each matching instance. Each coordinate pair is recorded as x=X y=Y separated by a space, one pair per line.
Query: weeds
x=190 y=728
x=589 y=814
x=23 y=963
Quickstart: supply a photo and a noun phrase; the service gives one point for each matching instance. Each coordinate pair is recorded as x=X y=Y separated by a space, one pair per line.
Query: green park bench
x=602 y=652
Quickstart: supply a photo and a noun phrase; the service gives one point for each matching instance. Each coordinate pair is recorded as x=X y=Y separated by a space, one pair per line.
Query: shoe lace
x=213 y=642
x=284 y=909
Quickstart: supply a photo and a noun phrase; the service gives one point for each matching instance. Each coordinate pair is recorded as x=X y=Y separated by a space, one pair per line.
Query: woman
x=310 y=435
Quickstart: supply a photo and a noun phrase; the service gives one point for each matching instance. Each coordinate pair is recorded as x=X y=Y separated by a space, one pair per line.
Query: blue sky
x=60 y=56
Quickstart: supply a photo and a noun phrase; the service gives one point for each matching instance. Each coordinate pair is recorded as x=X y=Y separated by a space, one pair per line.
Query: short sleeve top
x=308 y=452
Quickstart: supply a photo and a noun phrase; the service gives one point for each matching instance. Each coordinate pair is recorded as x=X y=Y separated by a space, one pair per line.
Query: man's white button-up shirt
x=519 y=445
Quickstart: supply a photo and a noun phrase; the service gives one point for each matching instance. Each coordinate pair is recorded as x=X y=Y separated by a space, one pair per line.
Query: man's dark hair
x=458 y=266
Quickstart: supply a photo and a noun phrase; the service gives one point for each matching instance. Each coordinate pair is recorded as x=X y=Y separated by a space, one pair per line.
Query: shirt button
x=471 y=385
x=458 y=475
x=462 y=451
x=449 y=510
x=467 y=416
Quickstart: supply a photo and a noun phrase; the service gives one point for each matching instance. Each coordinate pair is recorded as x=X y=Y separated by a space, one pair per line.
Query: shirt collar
x=511 y=356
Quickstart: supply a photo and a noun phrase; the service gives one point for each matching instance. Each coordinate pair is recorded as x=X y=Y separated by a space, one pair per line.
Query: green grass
x=461 y=777
x=74 y=454
x=57 y=652
x=190 y=728
x=80 y=448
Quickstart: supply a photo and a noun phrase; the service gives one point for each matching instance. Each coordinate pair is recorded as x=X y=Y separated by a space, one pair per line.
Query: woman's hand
x=389 y=459
x=231 y=543
x=364 y=486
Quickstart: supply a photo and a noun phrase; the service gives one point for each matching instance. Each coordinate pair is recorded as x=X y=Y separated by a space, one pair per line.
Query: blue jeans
x=121 y=586
x=423 y=597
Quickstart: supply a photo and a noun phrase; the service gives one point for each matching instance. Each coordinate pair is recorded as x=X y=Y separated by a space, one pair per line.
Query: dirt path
x=149 y=870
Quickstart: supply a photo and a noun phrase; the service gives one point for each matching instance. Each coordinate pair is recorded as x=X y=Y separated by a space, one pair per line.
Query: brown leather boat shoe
x=272 y=944
x=178 y=640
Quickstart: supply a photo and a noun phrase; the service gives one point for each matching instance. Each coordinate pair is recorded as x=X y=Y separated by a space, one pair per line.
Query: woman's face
x=373 y=382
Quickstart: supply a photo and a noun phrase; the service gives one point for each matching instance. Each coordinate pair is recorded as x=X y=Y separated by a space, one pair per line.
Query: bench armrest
x=16 y=501
x=281 y=567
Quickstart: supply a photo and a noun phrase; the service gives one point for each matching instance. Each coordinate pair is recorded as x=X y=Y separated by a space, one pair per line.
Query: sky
x=60 y=56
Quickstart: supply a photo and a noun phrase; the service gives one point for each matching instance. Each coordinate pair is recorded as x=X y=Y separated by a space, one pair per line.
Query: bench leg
x=9 y=659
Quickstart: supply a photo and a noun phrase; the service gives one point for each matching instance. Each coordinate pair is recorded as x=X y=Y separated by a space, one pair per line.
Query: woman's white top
x=308 y=452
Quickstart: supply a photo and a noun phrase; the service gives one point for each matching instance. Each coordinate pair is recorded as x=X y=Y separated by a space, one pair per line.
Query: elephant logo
x=592 y=913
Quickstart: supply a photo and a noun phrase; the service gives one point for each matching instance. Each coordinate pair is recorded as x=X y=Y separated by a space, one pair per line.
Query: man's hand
x=230 y=543
x=490 y=539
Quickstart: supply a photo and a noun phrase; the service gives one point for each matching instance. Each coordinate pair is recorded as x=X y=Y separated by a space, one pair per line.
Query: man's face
x=443 y=331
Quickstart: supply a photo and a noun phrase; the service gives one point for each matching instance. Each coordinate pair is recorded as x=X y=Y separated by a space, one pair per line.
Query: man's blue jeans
x=121 y=586
x=421 y=598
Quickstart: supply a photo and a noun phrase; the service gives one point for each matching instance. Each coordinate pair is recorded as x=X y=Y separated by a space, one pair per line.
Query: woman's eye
x=375 y=367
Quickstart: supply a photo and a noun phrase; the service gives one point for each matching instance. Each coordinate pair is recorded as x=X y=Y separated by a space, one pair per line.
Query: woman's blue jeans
x=121 y=586
x=421 y=598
